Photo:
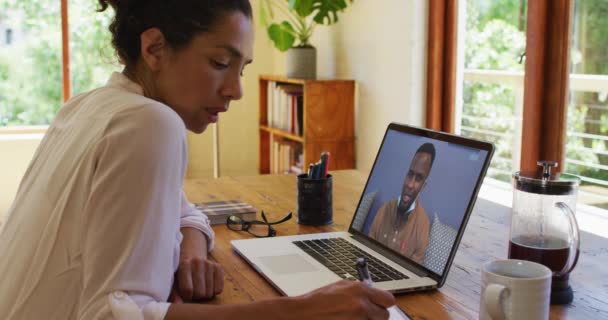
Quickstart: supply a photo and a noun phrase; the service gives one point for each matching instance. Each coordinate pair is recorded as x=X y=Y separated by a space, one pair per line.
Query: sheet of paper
x=397 y=314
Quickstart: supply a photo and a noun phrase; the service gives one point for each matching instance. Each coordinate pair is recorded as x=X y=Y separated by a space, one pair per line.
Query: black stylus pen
x=363 y=272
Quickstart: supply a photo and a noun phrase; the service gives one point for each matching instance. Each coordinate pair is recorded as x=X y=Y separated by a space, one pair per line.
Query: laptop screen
x=418 y=193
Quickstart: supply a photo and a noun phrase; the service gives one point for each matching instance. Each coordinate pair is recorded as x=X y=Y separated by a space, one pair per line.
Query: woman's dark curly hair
x=178 y=20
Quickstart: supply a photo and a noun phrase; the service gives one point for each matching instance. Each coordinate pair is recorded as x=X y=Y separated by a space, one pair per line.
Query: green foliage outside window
x=30 y=70
x=588 y=112
x=495 y=40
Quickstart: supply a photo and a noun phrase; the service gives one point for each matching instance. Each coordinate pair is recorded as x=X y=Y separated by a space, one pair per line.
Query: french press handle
x=575 y=247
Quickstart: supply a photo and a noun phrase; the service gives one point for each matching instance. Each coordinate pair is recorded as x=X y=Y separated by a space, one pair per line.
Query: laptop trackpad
x=289 y=263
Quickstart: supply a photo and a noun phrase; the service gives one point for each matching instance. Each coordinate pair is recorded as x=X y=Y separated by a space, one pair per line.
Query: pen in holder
x=315 y=200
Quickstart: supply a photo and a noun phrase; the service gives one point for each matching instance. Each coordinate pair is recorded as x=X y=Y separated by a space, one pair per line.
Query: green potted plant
x=293 y=33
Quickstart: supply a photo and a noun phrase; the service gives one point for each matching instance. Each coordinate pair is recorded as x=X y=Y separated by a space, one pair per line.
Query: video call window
x=417 y=196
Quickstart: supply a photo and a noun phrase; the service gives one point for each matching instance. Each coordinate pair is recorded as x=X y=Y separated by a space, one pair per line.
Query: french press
x=543 y=224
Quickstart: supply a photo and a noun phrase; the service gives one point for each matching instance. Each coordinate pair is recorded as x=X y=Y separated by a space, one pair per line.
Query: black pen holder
x=315 y=200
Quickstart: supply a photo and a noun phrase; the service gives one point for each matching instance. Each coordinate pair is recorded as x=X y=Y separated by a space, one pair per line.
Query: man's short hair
x=427 y=148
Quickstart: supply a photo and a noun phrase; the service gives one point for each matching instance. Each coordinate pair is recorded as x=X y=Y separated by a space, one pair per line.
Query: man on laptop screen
x=402 y=223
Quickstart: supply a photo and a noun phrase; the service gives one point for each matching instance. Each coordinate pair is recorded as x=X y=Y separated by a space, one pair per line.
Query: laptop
x=408 y=223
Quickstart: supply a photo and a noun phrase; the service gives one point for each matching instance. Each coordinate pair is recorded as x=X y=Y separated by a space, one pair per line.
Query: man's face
x=415 y=178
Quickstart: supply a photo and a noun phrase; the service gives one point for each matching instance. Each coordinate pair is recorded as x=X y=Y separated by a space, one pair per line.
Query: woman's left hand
x=197 y=278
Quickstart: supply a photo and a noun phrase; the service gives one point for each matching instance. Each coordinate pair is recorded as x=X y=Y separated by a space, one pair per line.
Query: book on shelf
x=274 y=157
x=285 y=156
x=299 y=114
x=219 y=211
x=284 y=103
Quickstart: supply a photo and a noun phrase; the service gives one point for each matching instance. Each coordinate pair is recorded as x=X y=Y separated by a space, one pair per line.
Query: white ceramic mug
x=514 y=289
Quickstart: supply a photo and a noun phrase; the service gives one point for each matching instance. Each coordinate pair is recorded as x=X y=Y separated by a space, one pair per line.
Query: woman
x=96 y=228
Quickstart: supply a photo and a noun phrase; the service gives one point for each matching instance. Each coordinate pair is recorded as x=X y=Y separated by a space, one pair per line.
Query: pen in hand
x=365 y=277
x=363 y=272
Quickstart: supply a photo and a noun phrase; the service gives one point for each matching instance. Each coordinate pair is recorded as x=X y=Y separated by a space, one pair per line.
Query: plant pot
x=302 y=62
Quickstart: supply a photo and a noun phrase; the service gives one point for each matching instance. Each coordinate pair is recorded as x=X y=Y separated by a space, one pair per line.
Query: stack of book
x=284 y=106
x=219 y=211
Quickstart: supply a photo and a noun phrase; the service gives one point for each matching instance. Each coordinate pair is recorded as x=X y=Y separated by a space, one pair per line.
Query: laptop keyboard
x=340 y=256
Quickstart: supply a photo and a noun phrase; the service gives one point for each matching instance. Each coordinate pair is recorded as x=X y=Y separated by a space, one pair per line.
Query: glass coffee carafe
x=543 y=225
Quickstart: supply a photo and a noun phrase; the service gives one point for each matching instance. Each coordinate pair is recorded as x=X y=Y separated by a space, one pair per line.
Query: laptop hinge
x=394 y=257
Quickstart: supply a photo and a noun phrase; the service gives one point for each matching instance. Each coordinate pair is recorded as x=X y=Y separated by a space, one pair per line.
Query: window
x=92 y=57
x=492 y=69
x=513 y=81
x=30 y=69
x=587 y=130
x=32 y=84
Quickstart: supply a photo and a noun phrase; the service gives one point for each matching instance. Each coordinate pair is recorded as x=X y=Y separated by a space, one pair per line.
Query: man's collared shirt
x=406 y=234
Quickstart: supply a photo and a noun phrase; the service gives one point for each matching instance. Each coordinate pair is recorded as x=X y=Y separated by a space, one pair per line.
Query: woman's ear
x=153 y=48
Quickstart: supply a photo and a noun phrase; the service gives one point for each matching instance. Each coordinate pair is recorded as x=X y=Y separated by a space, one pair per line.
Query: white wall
x=16 y=152
x=382 y=45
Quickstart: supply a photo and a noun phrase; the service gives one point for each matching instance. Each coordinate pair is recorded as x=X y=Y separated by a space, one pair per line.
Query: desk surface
x=485 y=238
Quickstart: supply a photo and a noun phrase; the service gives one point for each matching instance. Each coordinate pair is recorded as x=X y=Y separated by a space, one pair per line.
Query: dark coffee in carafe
x=550 y=251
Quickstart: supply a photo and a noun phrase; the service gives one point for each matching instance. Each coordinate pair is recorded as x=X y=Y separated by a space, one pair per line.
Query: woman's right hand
x=345 y=300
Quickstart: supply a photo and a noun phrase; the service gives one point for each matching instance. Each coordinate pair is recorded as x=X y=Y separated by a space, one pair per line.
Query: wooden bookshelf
x=327 y=124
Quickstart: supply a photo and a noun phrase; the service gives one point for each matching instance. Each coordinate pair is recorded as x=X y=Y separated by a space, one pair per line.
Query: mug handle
x=492 y=300
x=574 y=231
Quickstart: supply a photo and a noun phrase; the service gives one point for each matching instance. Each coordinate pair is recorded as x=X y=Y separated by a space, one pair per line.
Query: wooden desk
x=486 y=238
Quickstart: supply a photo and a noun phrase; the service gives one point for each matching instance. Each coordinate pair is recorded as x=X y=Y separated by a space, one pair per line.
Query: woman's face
x=200 y=80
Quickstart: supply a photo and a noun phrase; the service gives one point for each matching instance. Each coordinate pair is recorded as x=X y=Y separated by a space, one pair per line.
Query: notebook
x=408 y=223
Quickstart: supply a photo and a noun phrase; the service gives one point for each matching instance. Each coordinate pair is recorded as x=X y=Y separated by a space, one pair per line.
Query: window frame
x=441 y=64
x=546 y=82
x=65 y=52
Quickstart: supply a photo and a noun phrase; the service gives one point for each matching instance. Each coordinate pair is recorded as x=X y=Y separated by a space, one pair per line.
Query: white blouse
x=93 y=232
